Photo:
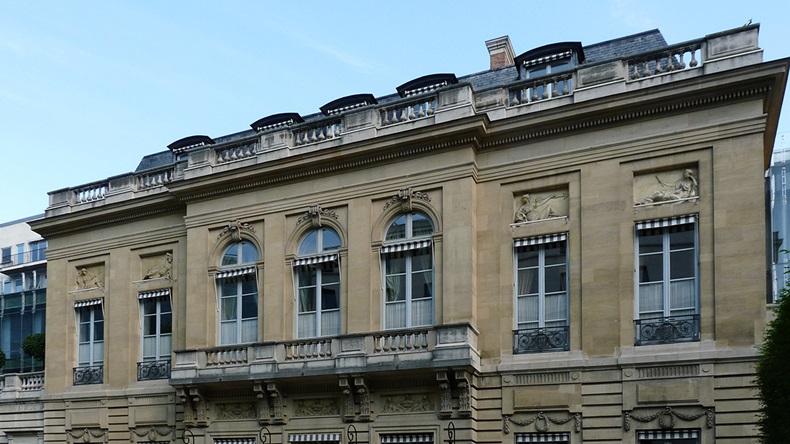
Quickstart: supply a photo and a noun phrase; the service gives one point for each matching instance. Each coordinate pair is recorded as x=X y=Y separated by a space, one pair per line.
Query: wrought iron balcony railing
x=88 y=375
x=536 y=340
x=150 y=370
x=667 y=330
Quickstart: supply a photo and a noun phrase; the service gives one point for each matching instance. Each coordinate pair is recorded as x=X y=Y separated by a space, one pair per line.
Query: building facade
x=567 y=247
x=23 y=298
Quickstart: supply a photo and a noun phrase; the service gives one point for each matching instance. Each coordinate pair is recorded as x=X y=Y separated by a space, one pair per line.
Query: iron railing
x=150 y=370
x=88 y=375
x=536 y=340
x=667 y=330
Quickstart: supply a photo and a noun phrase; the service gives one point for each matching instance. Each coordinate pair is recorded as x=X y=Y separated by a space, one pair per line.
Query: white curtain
x=682 y=298
x=395 y=315
x=330 y=323
x=249 y=330
x=422 y=312
x=651 y=300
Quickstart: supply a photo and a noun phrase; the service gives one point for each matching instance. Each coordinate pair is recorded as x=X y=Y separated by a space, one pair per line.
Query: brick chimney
x=501 y=52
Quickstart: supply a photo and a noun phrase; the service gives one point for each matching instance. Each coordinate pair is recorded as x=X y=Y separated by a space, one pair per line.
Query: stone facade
x=591 y=162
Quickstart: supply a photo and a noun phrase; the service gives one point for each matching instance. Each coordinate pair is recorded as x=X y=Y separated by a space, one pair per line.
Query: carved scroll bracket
x=315 y=214
x=234 y=229
x=404 y=199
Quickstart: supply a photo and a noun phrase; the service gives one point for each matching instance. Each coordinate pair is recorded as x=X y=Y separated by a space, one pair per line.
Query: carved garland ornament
x=316 y=407
x=667 y=418
x=543 y=421
x=404 y=199
x=153 y=433
x=86 y=434
x=407 y=404
x=314 y=214
x=234 y=228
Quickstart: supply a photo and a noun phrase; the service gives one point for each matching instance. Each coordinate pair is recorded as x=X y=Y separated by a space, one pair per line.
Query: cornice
x=107 y=215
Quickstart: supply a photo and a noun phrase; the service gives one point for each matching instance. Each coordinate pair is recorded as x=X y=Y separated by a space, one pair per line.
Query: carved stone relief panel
x=666 y=186
x=411 y=403
x=158 y=266
x=89 y=277
x=316 y=407
x=535 y=206
x=233 y=411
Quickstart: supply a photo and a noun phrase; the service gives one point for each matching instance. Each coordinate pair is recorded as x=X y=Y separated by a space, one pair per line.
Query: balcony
x=425 y=348
x=537 y=340
x=15 y=386
x=151 y=370
x=88 y=375
x=667 y=330
x=18 y=261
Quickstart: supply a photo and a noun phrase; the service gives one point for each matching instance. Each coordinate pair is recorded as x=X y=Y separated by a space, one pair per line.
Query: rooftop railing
x=21 y=385
x=666 y=60
x=26 y=257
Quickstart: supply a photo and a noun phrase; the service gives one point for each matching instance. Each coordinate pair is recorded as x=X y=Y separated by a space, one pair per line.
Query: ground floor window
x=686 y=436
x=315 y=438
x=234 y=441
x=545 y=438
x=407 y=438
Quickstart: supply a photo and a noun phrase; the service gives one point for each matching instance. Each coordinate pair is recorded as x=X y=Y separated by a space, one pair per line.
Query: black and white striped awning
x=234 y=440
x=668 y=222
x=164 y=292
x=235 y=272
x=87 y=303
x=315 y=260
x=406 y=246
x=407 y=438
x=537 y=240
x=668 y=434
x=560 y=437
x=314 y=437
x=549 y=58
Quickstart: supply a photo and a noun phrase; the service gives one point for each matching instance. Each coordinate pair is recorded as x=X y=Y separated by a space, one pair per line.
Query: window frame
x=242 y=271
x=312 y=263
x=92 y=343
x=158 y=335
x=406 y=246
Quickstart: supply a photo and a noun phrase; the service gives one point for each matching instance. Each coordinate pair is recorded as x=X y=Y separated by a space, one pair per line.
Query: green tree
x=2 y=359
x=34 y=345
x=773 y=382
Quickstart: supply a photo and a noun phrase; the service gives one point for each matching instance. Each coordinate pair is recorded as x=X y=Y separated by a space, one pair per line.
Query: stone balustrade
x=412 y=110
x=430 y=347
x=91 y=192
x=307 y=134
x=22 y=385
x=542 y=88
x=237 y=152
x=154 y=179
x=666 y=61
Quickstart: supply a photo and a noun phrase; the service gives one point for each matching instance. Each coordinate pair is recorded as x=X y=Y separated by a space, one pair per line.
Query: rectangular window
x=5 y=255
x=90 y=342
x=668 y=436
x=408 y=287
x=667 y=303
x=238 y=309
x=156 y=331
x=318 y=287
x=38 y=251
x=541 y=294
x=20 y=254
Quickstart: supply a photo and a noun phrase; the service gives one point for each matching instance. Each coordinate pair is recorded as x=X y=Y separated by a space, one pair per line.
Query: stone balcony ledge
x=16 y=386
x=444 y=346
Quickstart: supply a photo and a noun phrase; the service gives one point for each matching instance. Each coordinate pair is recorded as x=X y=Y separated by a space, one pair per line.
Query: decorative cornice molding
x=85 y=225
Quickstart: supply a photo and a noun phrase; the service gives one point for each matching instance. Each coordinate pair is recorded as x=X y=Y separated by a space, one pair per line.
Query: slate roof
x=620 y=47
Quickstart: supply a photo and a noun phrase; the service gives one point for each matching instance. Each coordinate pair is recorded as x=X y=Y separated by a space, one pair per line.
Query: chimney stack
x=501 y=52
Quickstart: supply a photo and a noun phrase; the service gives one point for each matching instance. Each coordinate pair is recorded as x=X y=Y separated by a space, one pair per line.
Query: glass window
x=541 y=295
x=667 y=302
x=408 y=272
x=90 y=336
x=5 y=255
x=157 y=328
x=318 y=285
x=237 y=286
x=679 y=436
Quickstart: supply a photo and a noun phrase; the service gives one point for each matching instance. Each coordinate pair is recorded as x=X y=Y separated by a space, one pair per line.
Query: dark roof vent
x=548 y=53
x=181 y=145
x=347 y=103
x=276 y=121
x=426 y=83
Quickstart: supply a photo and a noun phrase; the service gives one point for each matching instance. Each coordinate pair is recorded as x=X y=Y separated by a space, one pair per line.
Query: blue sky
x=87 y=88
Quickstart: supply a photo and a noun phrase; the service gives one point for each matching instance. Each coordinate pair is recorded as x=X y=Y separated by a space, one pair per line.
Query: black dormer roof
x=276 y=120
x=346 y=103
x=554 y=51
x=188 y=142
x=426 y=83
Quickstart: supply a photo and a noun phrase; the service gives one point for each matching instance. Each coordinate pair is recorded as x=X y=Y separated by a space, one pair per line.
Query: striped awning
x=314 y=437
x=561 y=437
x=549 y=58
x=315 y=260
x=407 y=438
x=406 y=246
x=235 y=272
x=164 y=292
x=234 y=440
x=540 y=240
x=668 y=434
x=87 y=303
x=668 y=222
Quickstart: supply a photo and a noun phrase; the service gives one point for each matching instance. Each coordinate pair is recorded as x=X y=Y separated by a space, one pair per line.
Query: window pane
x=556 y=307
x=227 y=333
x=249 y=330
x=84 y=354
x=330 y=273
x=249 y=307
x=149 y=346
x=421 y=259
x=422 y=312
x=166 y=323
x=231 y=256
x=395 y=315
x=527 y=257
x=98 y=331
x=85 y=332
x=422 y=285
x=98 y=314
x=396 y=288
x=651 y=241
x=682 y=295
x=651 y=268
x=306 y=275
x=554 y=279
x=681 y=236
x=228 y=309
x=397 y=229
x=307 y=300
x=528 y=281
x=395 y=263
x=330 y=297
x=249 y=286
x=681 y=264
x=309 y=244
x=165 y=347
x=651 y=298
x=149 y=306
x=249 y=253
x=228 y=287
x=331 y=241
x=306 y=325
x=330 y=323
x=149 y=325
x=554 y=253
x=164 y=306
x=527 y=309
x=420 y=225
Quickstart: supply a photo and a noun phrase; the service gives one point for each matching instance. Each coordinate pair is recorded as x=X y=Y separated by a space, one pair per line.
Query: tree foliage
x=773 y=381
x=34 y=345
x=2 y=359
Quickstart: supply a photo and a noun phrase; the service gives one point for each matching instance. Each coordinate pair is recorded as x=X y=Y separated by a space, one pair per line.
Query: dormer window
x=347 y=103
x=549 y=59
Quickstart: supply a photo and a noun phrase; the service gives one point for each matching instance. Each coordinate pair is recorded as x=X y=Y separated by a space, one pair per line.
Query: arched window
x=237 y=285
x=408 y=272
x=318 y=284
